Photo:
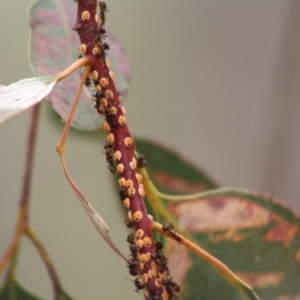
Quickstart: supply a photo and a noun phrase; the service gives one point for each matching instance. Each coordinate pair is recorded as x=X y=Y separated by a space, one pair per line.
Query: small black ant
x=97 y=104
x=129 y=223
x=169 y=229
x=103 y=6
x=112 y=169
x=105 y=46
x=98 y=94
x=103 y=10
x=108 y=146
x=134 y=250
x=141 y=162
x=133 y=264
x=158 y=245
x=171 y=286
x=133 y=272
x=109 y=158
x=122 y=192
x=139 y=285
x=130 y=238
x=111 y=119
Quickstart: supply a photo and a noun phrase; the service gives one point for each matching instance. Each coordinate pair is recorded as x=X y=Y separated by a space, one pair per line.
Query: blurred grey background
x=216 y=80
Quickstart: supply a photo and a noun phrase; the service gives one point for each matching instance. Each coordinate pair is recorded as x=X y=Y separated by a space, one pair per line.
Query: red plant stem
x=23 y=224
x=121 y=158
x=23 y=215
x=25 y=198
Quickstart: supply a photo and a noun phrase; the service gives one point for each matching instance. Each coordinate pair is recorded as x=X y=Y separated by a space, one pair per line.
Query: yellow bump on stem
x=147 y=241
x=122 y=181
x=120 y=168
x=111 y=138
x=142 y=191
x=97 y=18
x=139 y=177
x=95 y=75
x=139 y=233
x=158 y=282
x=109 y=94
x=103 y=82
x=118 y=155
x=129 y=183
x=128 y=141
x=139 y=243
x=98 y=87
x=106 y=126
x=113 y=110
x=130 y=191
x=134 y=160
x=108 y=63
x=145 y=278
x=126 y=202
x=82 y=49
x=104 y=102
x=137 y=216
x=123 y=110
x=148 y=256
x=142 y=258
x=96 y=51
x=150 y=217
x=112 y=75
x=122 y=120
x=85 y=16
x=101 y=109
x=152 y=273
x=165 y=295
x=132 y=165
x=129 y=216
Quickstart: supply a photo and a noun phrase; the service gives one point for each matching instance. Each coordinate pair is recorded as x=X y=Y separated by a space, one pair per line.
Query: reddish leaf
x=256 y=236
x=54 y=46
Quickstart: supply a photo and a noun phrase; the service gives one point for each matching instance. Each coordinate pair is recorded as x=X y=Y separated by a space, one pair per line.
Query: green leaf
x=256 y=236
x=12 y=290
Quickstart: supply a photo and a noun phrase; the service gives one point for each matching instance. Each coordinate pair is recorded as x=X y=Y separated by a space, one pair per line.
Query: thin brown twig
x=23 y=215
x=58 y=290
x=23 y=226
x=25 y=198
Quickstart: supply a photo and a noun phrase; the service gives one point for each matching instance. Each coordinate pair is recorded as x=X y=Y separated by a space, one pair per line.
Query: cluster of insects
x=108 y=151
x=146 y=261
x=157 y=259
